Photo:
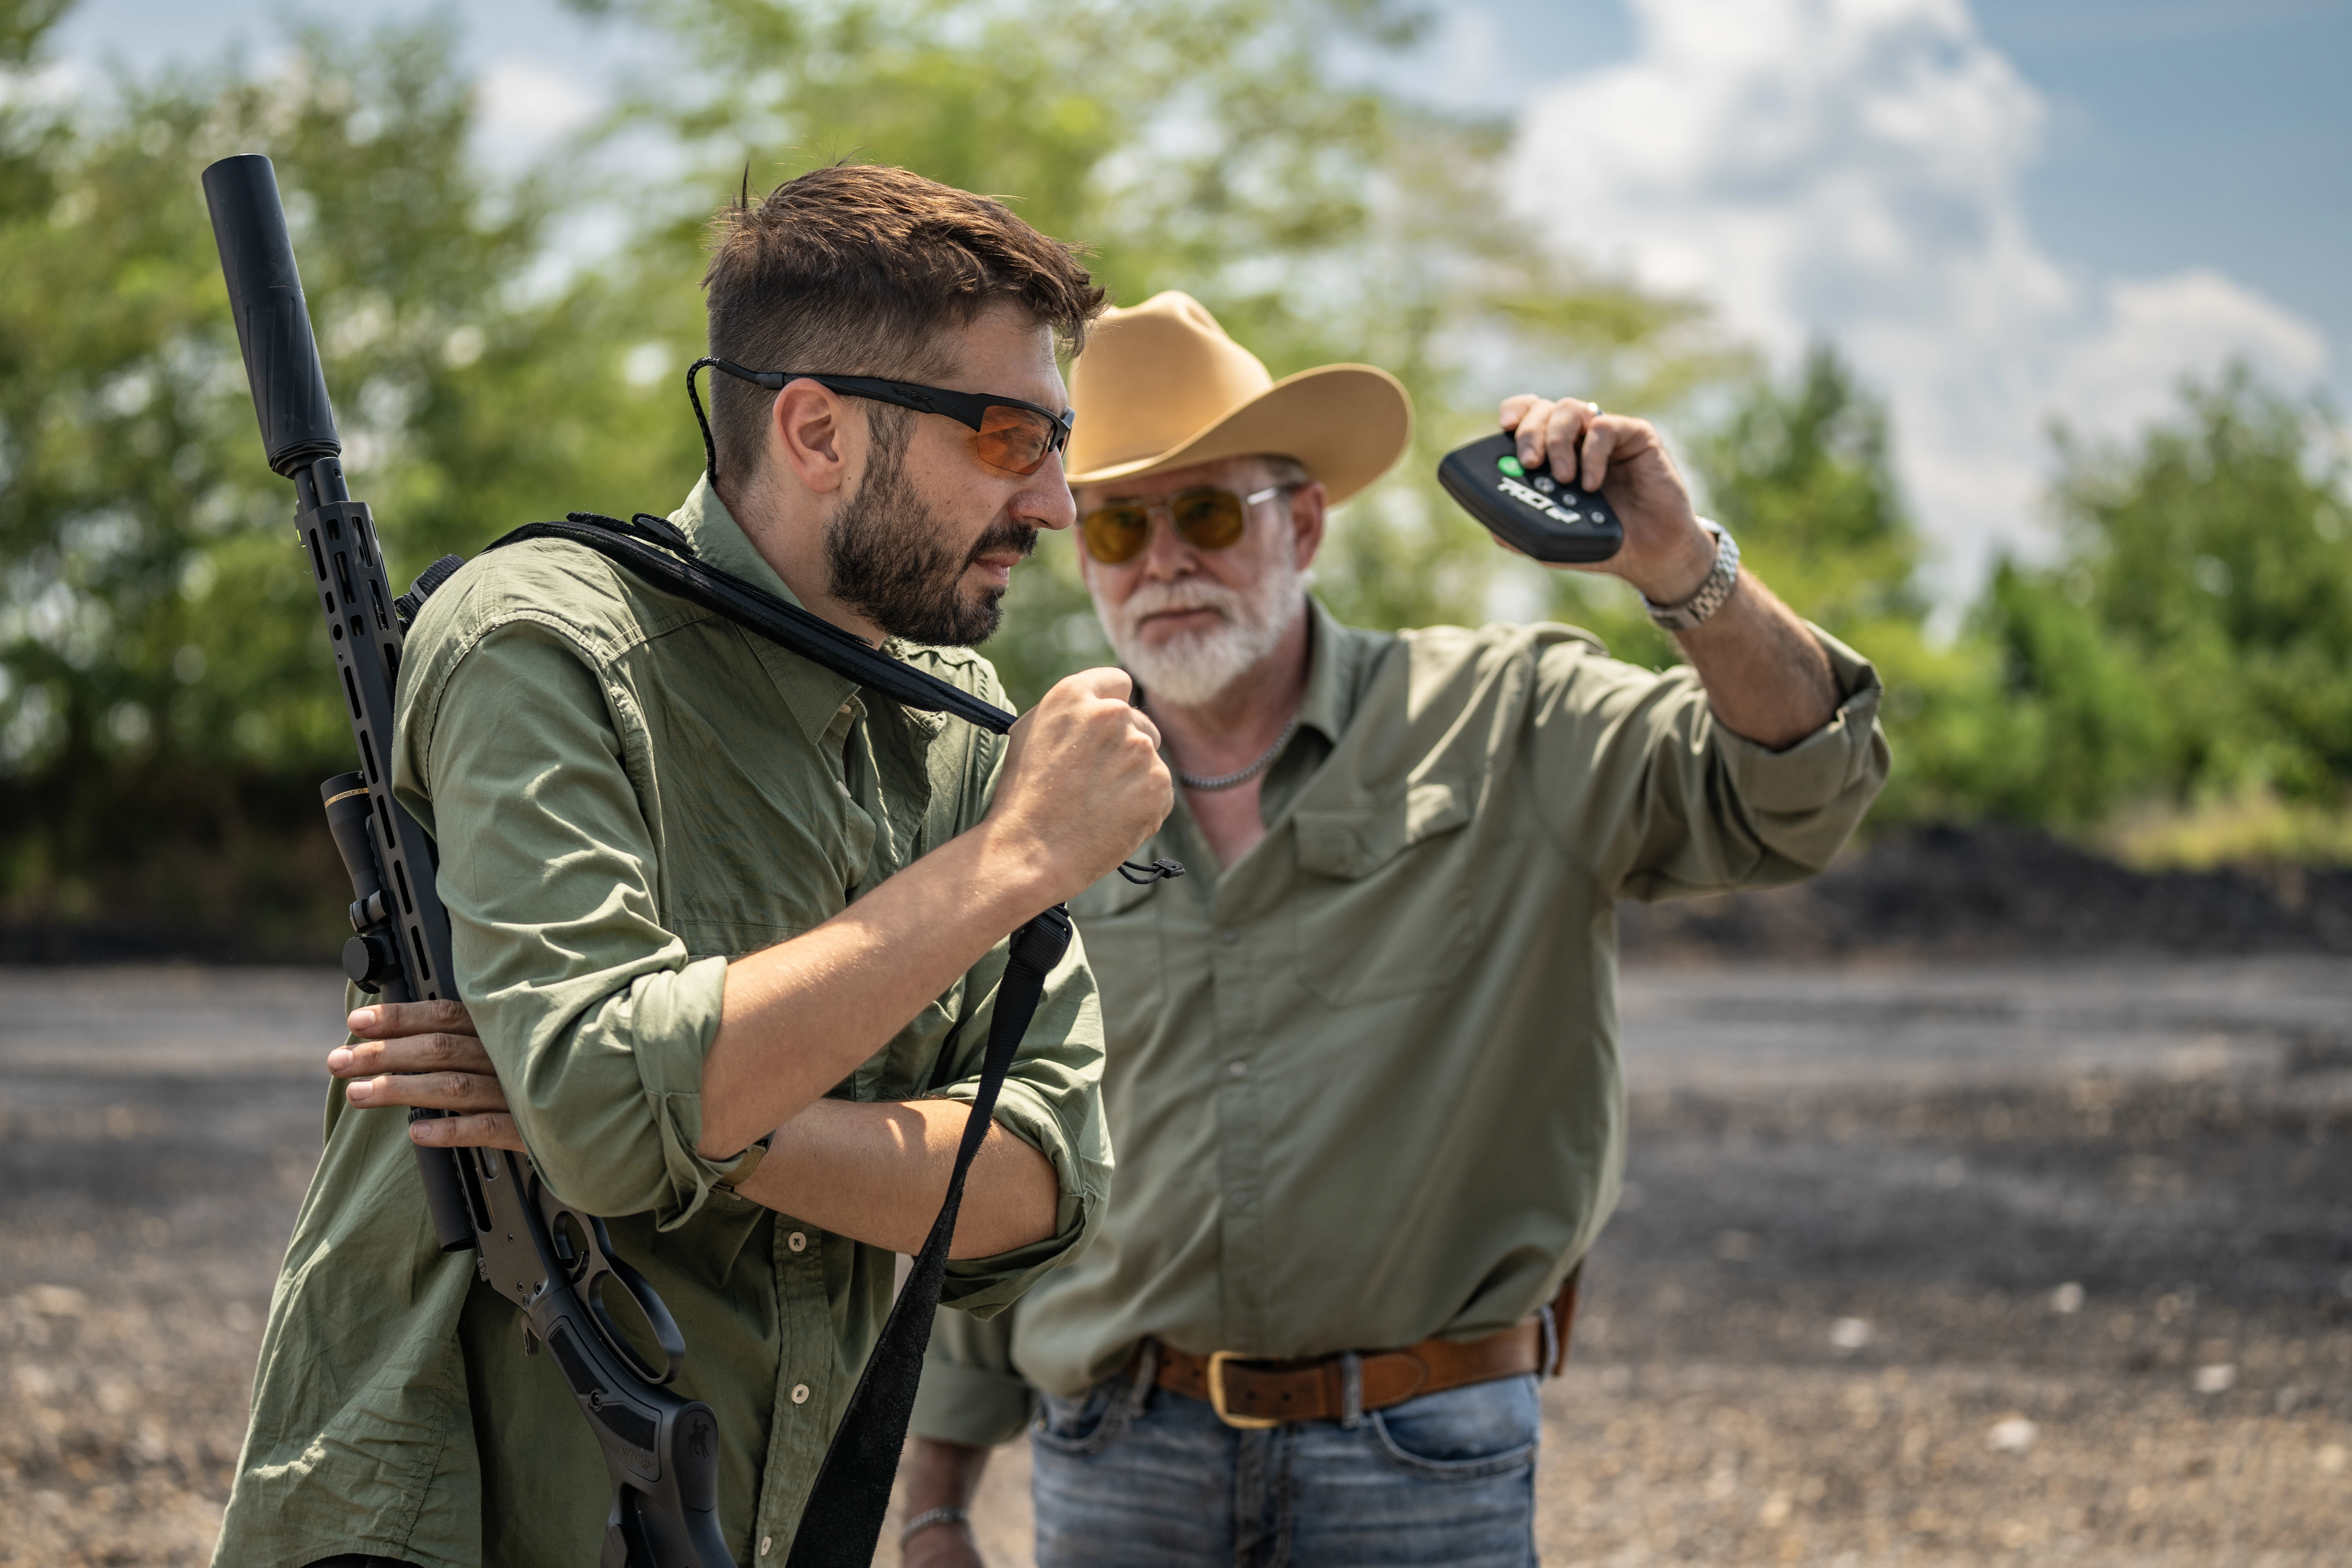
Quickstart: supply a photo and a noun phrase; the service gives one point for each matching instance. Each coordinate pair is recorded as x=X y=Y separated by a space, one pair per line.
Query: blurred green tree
x=2193 y=641
x=163 y=705
x=1206 y=145
x=164 y=714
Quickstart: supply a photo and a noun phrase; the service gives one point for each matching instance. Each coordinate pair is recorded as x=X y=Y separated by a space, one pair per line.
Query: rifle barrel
x=273 y=323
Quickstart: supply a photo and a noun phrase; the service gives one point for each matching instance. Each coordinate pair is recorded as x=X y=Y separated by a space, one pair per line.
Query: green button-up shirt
x=627 y=793
x=1364 y=1082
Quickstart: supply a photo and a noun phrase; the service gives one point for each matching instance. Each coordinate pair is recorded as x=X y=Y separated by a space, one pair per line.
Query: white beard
x=1193 y=668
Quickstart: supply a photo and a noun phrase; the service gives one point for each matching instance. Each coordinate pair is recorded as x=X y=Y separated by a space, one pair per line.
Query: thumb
x=1104 y=681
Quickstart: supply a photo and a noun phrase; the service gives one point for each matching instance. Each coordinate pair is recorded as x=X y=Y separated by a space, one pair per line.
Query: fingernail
x=339 y=1059
x=357 y=1092
x=361 y=1021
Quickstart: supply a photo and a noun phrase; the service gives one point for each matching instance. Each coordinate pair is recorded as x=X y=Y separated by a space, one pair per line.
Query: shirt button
x=1229 y=937
x=765 y=1542
x=1238 y=1070
x=797 y=1241
x=800 y=1394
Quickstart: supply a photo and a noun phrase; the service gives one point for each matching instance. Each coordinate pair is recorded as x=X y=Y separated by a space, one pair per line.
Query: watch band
x=1712 y=592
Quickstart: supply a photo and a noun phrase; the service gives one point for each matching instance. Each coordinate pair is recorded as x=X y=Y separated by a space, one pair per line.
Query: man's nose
x=1046 y=499
x=1167 y=554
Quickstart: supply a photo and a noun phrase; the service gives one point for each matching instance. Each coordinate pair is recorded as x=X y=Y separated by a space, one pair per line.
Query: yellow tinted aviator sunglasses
x=1206 y=517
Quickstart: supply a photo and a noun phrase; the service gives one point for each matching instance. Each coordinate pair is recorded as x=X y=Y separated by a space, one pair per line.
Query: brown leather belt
x=1253 y=1392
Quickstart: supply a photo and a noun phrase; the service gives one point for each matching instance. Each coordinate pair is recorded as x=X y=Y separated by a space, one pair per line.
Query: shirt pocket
x=1381 y=907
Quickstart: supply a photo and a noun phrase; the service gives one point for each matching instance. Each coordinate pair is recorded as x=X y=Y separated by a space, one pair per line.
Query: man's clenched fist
x=1083 y=783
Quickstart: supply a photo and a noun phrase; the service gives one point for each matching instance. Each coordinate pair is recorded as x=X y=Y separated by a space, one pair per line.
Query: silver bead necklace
x=1227 y=781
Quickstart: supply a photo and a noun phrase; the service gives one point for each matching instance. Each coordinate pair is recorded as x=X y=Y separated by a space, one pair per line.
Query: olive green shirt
x=1364 y=1082
x=627 y=792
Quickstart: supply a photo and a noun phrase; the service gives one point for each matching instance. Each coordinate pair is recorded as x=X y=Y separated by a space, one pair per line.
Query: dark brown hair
x=856 y=269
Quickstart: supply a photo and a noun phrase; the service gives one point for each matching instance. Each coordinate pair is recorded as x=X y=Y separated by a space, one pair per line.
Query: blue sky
x=2180 y=133
x=2004 y=210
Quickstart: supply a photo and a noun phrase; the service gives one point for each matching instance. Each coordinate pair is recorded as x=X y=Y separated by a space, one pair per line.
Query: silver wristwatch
x=1711 y=593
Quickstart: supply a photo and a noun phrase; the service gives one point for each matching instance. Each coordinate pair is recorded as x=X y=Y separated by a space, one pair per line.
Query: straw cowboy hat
x=1160 y=386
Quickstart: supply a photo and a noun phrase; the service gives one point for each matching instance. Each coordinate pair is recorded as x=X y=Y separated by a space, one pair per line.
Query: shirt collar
x=814 y=693
x=1332 y=659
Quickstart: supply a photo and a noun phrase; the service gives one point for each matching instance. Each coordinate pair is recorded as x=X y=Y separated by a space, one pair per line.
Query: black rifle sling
x=842 y=1521
x=657 y=551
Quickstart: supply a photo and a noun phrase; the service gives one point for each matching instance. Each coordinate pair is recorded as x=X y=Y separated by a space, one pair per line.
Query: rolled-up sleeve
x=970 y=1394
x=1643 y=782
x=595 y=1016
x=1051 y=1101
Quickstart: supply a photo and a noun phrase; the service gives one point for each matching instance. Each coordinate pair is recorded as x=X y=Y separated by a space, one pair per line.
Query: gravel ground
x=1938 y=1264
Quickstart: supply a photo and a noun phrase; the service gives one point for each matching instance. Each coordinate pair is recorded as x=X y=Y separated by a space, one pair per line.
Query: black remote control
x=1546 y=518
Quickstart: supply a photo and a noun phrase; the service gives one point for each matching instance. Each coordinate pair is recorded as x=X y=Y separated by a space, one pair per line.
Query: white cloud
x=525 y=108
x=1851 y=169
x=47 y=85
x=2151 y=327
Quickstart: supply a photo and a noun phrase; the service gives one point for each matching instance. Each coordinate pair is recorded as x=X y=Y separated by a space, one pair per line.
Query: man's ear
x=1308 y=508
x=814 y=435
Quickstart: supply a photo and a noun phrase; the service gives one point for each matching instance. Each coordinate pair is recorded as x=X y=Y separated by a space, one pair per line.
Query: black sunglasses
x=1016 y=436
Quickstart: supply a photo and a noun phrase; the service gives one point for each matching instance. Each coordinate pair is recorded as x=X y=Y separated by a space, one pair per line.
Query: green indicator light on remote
x=1510 y=465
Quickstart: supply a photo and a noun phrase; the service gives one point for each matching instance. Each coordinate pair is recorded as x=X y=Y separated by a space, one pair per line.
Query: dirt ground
x=1935 y=1263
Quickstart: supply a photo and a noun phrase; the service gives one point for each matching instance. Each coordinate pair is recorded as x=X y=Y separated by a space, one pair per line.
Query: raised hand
x=1666 y=554
x=428 y=1054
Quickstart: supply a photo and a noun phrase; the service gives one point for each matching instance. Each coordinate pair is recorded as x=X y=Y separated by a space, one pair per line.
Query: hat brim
x=1346 y=424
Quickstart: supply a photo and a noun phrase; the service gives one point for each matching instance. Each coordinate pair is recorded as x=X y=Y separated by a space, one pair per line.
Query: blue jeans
x=1132 y=1475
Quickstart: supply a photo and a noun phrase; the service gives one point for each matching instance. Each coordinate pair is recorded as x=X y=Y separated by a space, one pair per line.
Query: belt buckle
x=1217 y=1360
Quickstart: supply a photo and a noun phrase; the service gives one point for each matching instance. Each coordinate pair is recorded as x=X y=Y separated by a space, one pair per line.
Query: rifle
x=550 y=1258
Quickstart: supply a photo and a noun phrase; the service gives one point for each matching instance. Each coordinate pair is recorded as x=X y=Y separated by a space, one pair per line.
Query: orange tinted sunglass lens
x=1207 y=518
x=1014 y=440
x=1116 y=535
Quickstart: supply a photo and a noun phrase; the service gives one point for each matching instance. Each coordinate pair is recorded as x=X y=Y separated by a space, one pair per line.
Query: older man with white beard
x=1362 y=1074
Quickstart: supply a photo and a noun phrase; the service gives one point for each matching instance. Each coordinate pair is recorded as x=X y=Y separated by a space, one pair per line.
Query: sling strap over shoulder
x=658 y=550
x=842 y=1521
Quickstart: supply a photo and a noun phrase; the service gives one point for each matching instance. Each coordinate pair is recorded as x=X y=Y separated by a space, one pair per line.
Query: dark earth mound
x=1989 y=892
x=1998 y=891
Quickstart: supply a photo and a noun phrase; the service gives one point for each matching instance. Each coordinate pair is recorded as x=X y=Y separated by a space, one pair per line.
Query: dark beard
x=884 y=551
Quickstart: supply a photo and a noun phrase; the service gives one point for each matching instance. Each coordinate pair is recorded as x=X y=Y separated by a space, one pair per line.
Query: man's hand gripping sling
x=548 y=1257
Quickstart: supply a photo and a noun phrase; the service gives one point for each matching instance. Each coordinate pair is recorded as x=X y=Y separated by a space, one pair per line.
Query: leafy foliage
x=163 y=707
x=1201 y=145
x=2198 y=631
x=2188 y=644
x=160 y=658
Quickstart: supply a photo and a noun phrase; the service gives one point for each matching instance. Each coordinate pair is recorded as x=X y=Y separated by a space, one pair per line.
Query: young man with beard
x=705 y=893
x=1362 y=1073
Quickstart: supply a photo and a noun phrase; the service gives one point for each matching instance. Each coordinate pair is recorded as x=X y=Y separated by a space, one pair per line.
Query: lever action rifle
x=550 y=1259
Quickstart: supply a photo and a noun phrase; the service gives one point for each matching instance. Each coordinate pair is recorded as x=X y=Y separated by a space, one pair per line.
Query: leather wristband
x=1712 y=592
